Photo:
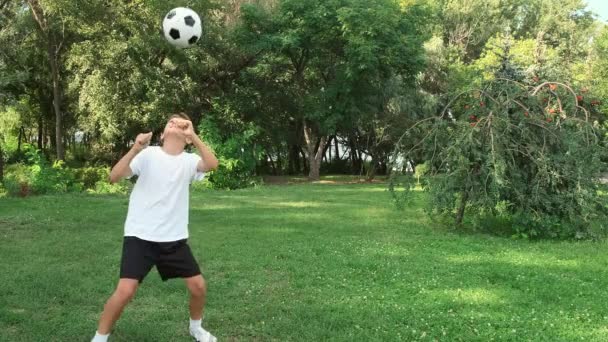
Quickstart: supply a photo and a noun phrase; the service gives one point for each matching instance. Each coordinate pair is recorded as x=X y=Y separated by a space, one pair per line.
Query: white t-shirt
x=159 y=203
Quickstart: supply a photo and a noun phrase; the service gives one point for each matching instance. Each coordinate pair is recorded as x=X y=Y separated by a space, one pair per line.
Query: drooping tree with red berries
x=532 y=154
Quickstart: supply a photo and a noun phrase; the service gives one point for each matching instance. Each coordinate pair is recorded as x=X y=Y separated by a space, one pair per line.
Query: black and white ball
x=182 y=27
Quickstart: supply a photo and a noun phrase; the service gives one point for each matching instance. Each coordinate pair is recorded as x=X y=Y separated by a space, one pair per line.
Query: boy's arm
x=122 y=169
x=208 y=160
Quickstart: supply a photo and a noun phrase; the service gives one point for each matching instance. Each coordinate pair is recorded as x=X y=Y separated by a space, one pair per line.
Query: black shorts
x=172 y=259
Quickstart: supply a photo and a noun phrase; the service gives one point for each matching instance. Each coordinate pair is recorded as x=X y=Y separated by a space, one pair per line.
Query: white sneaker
x=202 y=335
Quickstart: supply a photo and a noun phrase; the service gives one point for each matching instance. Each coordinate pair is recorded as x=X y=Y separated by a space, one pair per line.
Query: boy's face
x=175 y=129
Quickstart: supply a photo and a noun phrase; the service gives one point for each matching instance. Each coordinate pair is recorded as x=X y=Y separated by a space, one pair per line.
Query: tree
x=400 y=106
x=533 y=153
x=464 y=30
x=598 y=76
x=127 y=79
x=11 y=80
x=332 y=59
x=53 y=34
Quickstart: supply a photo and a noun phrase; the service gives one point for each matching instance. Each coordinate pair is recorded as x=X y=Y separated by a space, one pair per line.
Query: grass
x=298 y=263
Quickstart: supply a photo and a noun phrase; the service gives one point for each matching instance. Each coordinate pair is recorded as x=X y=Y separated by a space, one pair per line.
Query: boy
x=156 y=228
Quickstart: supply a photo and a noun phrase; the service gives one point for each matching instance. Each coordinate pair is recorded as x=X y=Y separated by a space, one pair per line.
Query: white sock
x=100 y=338
x=195 y=323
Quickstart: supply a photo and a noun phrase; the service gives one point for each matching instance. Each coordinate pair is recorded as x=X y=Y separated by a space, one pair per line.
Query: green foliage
x=37 y=176
x=421 y=171
x=126 y=78
x=103 y=187
x=9 y=130
x=16 y=177
x=598 y=72
x=236 y=151
x=90 y=176
x=359 y=70
x=529 y=152
x=330 y=66
x=44 y=177
x=16 y=67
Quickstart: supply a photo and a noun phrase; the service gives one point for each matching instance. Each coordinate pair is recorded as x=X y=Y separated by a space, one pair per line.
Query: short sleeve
x=195 y=174
x=138 y=162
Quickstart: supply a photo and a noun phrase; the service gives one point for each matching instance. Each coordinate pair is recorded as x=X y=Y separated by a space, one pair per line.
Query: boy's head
x=175 y=128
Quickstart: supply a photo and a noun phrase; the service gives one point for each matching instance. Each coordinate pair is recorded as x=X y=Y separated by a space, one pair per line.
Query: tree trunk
x=50 y=136
x=1 y=165
x=461 y=207
x=371 y=172
x=383 y=167
x=304 y=160
x=356 y=163
x=290 y=164
x=53 y=49
x=40 y=132
x=327 y=146
x=52 y=141
x=56 y=103
x=19 y=139
x=336 y=152
x=41 y=115
x=279 y=163
x=272 y=166
x=314 y=169
x=294 y=160
x=314 y=155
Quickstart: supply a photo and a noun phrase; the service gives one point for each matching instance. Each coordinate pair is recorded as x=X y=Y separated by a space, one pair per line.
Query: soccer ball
x=182 y=27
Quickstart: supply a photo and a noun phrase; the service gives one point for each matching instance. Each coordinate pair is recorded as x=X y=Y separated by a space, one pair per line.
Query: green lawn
x=298 y=263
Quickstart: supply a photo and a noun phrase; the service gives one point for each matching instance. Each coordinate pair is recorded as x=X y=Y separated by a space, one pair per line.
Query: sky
x=600 y=7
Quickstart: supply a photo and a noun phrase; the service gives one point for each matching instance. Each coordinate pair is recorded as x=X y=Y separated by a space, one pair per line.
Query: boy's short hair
x=180 y=115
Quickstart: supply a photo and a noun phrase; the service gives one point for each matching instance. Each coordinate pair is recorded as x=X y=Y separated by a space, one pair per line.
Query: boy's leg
x=138 y=257
x=176 y=260
x=116 y=303
x=198 y=291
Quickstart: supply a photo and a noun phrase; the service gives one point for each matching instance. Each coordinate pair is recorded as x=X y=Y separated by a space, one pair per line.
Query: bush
x=90 y=176
x=236 y=152
x=13 y=186
x=106 y=188
x=531 y=227
x=421 y=171
x=45 y=178
x=533 y=155
x=37 y=176
x=17 y=180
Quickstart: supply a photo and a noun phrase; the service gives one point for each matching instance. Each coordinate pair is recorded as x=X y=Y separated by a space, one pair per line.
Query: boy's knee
x=125 y=292
x=198 y=287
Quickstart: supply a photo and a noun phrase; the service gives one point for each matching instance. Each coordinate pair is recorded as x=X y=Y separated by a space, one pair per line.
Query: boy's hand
x=142 y=141
x=187 y=129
